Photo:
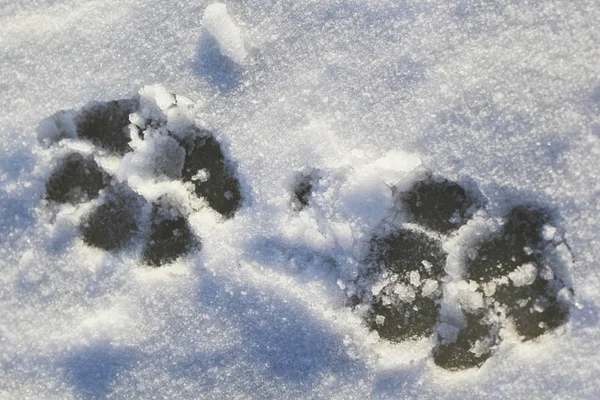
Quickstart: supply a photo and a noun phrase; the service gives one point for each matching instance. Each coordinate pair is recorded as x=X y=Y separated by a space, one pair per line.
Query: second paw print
x=440 y=266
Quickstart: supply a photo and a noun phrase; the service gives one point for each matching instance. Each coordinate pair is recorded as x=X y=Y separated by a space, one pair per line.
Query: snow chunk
x=429 y=286
x=220 y=25
x=378 y=287
x=415 y=278
x=489 y=288
x=405 y=292
x=152 y=96
x=202 y=175
x=523 y=275
x=468 y=297
x=154 y=100
x=548 y=232
x=367 y=196
x=156 y=156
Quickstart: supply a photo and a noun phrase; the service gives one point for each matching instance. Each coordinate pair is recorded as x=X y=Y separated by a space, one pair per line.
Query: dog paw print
x=141 y=165
x=447 y=268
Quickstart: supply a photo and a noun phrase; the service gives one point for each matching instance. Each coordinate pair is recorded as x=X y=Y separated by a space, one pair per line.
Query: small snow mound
x=524 y=275
x=367 y=196
x=219 y=24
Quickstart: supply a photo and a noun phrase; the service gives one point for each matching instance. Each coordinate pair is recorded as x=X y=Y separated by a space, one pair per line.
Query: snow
x=523 y=275
x=369 y=93
x=219 y=24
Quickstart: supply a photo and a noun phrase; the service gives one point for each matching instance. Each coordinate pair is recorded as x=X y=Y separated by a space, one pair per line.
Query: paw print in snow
x=156 y=144
x=509 y=276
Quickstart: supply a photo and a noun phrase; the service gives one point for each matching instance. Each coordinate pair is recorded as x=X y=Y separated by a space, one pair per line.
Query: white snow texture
x=367 y=93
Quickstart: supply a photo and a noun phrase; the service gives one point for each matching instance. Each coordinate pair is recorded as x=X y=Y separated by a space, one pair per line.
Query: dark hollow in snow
x=519 y=242
x=170 y=238
x=104 y=124
x=403 y=320
x=473 y=346
x=76 y=180
x=438 y=204
x=303 y=190
x=402 y=252
x=112 y=224
x=221 y=189
x=535 y=307
x=406 y=250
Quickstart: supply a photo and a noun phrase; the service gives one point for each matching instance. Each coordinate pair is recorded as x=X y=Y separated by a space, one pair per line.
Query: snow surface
x=505 y=93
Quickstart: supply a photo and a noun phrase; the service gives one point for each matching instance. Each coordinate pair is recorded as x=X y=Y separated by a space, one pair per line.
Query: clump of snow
x=153 y=99
x=406 y=293
x=524 y=275
x=156 y=156
x=367 y=194
x=549 y=232
x=219 y=23
x=429 y=286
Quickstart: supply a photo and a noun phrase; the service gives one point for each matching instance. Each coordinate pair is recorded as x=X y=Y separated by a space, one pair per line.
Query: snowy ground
x=505 y=93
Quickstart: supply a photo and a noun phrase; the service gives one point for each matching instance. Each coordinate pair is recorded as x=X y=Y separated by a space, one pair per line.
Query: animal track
x=530 y=294
x=439 y=204
x=507 y=279
x=156 y=134
x=471 y=347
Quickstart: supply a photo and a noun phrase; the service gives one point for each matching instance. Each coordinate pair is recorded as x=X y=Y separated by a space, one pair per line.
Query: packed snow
x=322 y=117
x=229 y=38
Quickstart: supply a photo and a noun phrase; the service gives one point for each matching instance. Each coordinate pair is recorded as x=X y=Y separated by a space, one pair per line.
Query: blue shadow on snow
x=218 y=69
